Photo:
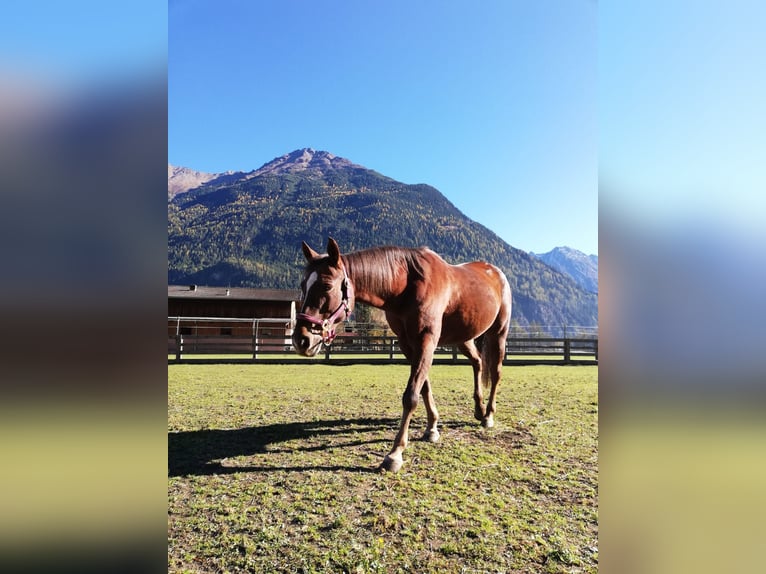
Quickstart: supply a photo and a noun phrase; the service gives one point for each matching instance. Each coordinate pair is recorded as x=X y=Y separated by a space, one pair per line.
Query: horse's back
x=480 y=298
x=479 y=278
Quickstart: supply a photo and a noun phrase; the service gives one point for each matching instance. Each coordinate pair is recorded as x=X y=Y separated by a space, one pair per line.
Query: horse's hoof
x=391 y=464
x=431 y=436
x=488 y=422
x=479 y=415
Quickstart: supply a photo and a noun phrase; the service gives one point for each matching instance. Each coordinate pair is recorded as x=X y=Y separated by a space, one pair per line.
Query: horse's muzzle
x=305 y=342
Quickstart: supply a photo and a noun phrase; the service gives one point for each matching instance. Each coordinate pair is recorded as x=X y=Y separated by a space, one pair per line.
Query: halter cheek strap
x=328 y=325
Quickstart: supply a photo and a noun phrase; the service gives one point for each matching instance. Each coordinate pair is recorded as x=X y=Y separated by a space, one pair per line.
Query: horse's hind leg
x=469 y=350
x=494 y=374
x=432 y=433
x=495 y=353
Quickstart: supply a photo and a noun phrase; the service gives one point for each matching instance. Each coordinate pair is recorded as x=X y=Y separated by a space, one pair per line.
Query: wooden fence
x=353 y=348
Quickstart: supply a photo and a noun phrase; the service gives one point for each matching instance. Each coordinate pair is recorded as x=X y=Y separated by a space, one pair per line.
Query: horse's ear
x=333 y=251
x=309 y=253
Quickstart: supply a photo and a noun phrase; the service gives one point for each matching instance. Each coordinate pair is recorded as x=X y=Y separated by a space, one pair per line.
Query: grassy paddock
x=271 y=469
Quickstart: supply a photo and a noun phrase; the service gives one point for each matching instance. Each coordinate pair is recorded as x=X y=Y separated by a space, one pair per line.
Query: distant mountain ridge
x=579 y=266
x=245 y=229
x=183 y=179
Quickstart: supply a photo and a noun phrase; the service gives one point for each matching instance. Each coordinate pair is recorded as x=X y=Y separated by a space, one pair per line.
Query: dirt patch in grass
x=509 y=439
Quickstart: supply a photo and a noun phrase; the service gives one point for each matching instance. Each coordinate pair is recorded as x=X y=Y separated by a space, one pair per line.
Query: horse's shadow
x=200 y=452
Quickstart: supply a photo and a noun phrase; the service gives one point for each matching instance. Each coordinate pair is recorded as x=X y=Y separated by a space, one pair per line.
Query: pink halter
x=328 y=325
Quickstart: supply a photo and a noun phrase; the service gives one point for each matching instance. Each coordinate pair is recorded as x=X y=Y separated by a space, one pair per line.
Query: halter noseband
x=328 y=325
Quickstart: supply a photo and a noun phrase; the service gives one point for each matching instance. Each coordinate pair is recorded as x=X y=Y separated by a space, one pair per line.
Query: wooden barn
x=204 y=315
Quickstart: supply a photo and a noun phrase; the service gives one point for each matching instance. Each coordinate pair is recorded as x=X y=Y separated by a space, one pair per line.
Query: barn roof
x=239 y=293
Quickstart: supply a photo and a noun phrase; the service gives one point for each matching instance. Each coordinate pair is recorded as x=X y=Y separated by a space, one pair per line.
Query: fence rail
x=204 y=340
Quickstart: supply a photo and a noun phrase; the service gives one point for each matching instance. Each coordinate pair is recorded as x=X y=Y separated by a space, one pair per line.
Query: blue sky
x=493 y=102
x=516 y=110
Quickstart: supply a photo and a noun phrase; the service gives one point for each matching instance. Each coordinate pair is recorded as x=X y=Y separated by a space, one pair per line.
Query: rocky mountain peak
x=183 y=179
x=302 y=160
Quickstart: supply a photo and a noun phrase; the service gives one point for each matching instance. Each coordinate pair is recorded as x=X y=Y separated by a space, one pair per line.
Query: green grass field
x=272 y=469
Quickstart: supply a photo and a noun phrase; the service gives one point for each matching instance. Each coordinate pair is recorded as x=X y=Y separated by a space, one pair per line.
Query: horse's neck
x=375 y=283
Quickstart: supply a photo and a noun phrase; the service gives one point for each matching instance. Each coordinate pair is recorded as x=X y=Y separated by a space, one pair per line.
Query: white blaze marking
x=309 y=283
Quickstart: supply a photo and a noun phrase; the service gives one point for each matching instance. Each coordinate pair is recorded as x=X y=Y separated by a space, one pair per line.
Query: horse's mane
x=376 y=269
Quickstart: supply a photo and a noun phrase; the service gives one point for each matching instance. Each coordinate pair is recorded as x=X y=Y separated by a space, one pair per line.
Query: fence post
x=179 y=346
x=454 y=354
x=391 y=349
x=567 y=350
x=595 y=348
x=255 y=339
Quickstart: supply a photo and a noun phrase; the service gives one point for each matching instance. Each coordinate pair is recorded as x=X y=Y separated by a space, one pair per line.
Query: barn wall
x=246 y=309
x=228 y=308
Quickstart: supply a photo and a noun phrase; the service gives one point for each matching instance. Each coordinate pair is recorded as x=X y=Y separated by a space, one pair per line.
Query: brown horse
x=427 y=302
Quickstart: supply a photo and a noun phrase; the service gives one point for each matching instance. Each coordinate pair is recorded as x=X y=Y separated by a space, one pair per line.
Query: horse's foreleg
x=393 y=461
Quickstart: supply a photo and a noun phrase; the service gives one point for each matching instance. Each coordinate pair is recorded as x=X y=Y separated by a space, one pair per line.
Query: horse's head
x=327 y=299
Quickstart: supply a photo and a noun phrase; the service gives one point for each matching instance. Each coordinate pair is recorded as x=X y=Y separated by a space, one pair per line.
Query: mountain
x=579 y=266
x=246 y=229
x=317 y=163
x=182 y=179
